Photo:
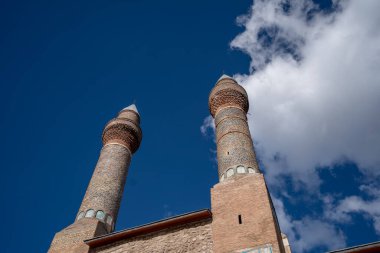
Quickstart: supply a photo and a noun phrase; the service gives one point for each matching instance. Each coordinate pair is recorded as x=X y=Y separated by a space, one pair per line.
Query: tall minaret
x=243 y=214
x=228 y=104
x=100 y=206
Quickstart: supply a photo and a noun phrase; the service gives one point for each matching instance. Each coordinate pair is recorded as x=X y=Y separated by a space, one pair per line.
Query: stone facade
x=193 y=237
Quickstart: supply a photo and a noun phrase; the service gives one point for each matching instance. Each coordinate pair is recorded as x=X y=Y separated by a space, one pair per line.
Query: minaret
x=100 y=206
x=243 y=214
x=228 y=103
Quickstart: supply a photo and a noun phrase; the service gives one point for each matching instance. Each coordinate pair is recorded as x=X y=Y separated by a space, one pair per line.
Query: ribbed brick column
x=228 y=103
x=100 y=206
x=121 y=137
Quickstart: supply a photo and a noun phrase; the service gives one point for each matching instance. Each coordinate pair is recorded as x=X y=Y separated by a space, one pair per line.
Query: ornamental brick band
x=123 y=132
x=227 y=93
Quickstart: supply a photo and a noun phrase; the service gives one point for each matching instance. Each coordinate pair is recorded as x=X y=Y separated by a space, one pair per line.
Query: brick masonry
x=70 y=239
x=248 y=197
x=107 y=183
x=228 y=104
x=243 y=217
x=243 y=214
x=193 y=237
x=100 y=206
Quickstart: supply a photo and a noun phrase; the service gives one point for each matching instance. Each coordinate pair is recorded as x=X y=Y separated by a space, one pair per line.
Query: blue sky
x=66 y=68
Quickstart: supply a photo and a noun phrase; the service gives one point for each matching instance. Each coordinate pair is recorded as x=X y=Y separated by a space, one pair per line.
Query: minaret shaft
x=100 y=206
x=106 y=187
x=228 y=103
x=233 y=140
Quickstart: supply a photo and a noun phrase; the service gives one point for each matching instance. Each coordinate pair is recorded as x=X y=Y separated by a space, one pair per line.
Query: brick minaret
x=243 y=214
x=98 y=211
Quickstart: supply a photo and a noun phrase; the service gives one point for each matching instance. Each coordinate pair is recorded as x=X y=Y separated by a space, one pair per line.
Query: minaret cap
x=132 y=107
x=131 y=113
x=224 y=76
x=227 y=92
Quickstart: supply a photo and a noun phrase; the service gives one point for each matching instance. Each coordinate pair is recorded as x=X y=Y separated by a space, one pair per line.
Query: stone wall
x=193 y=237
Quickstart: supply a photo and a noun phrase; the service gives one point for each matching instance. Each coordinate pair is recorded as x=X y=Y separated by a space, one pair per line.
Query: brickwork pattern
x=248 y=197
x=228 y=104
x=100 y=206
x=107 y=183
x=234 y=142
x=227 y=93
x=124 y=132
x=70 y=240
x=193 y=237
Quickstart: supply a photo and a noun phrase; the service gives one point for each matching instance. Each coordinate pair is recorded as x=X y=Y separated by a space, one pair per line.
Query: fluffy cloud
x=343 y=210
x=314 y=90
x=208 y=124
x=307 y=233
x=314 y=86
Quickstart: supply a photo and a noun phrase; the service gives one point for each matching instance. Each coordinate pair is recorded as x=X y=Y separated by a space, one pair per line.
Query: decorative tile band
x=100 y=215
x=240 y=169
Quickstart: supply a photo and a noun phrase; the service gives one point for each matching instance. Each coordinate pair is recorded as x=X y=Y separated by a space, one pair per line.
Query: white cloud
x=342 y=212
x=208 y=123
x=324 y=108
x=307 y=233
x=314 y=103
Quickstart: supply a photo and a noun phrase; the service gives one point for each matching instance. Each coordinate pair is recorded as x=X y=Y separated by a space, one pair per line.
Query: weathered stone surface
x=193 y=237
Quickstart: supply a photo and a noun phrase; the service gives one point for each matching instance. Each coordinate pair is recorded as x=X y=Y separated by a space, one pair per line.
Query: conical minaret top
x=228 y=104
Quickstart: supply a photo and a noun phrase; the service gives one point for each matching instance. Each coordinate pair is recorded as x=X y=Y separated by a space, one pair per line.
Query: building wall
x=243 y=217
x=193 y=237
x=70 y=239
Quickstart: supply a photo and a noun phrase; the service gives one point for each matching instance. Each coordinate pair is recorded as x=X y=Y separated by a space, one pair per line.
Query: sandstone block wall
x=193 y=237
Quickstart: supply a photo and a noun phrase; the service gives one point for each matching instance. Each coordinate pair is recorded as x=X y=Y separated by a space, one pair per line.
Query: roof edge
x=372 y=247
x=149 y=228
